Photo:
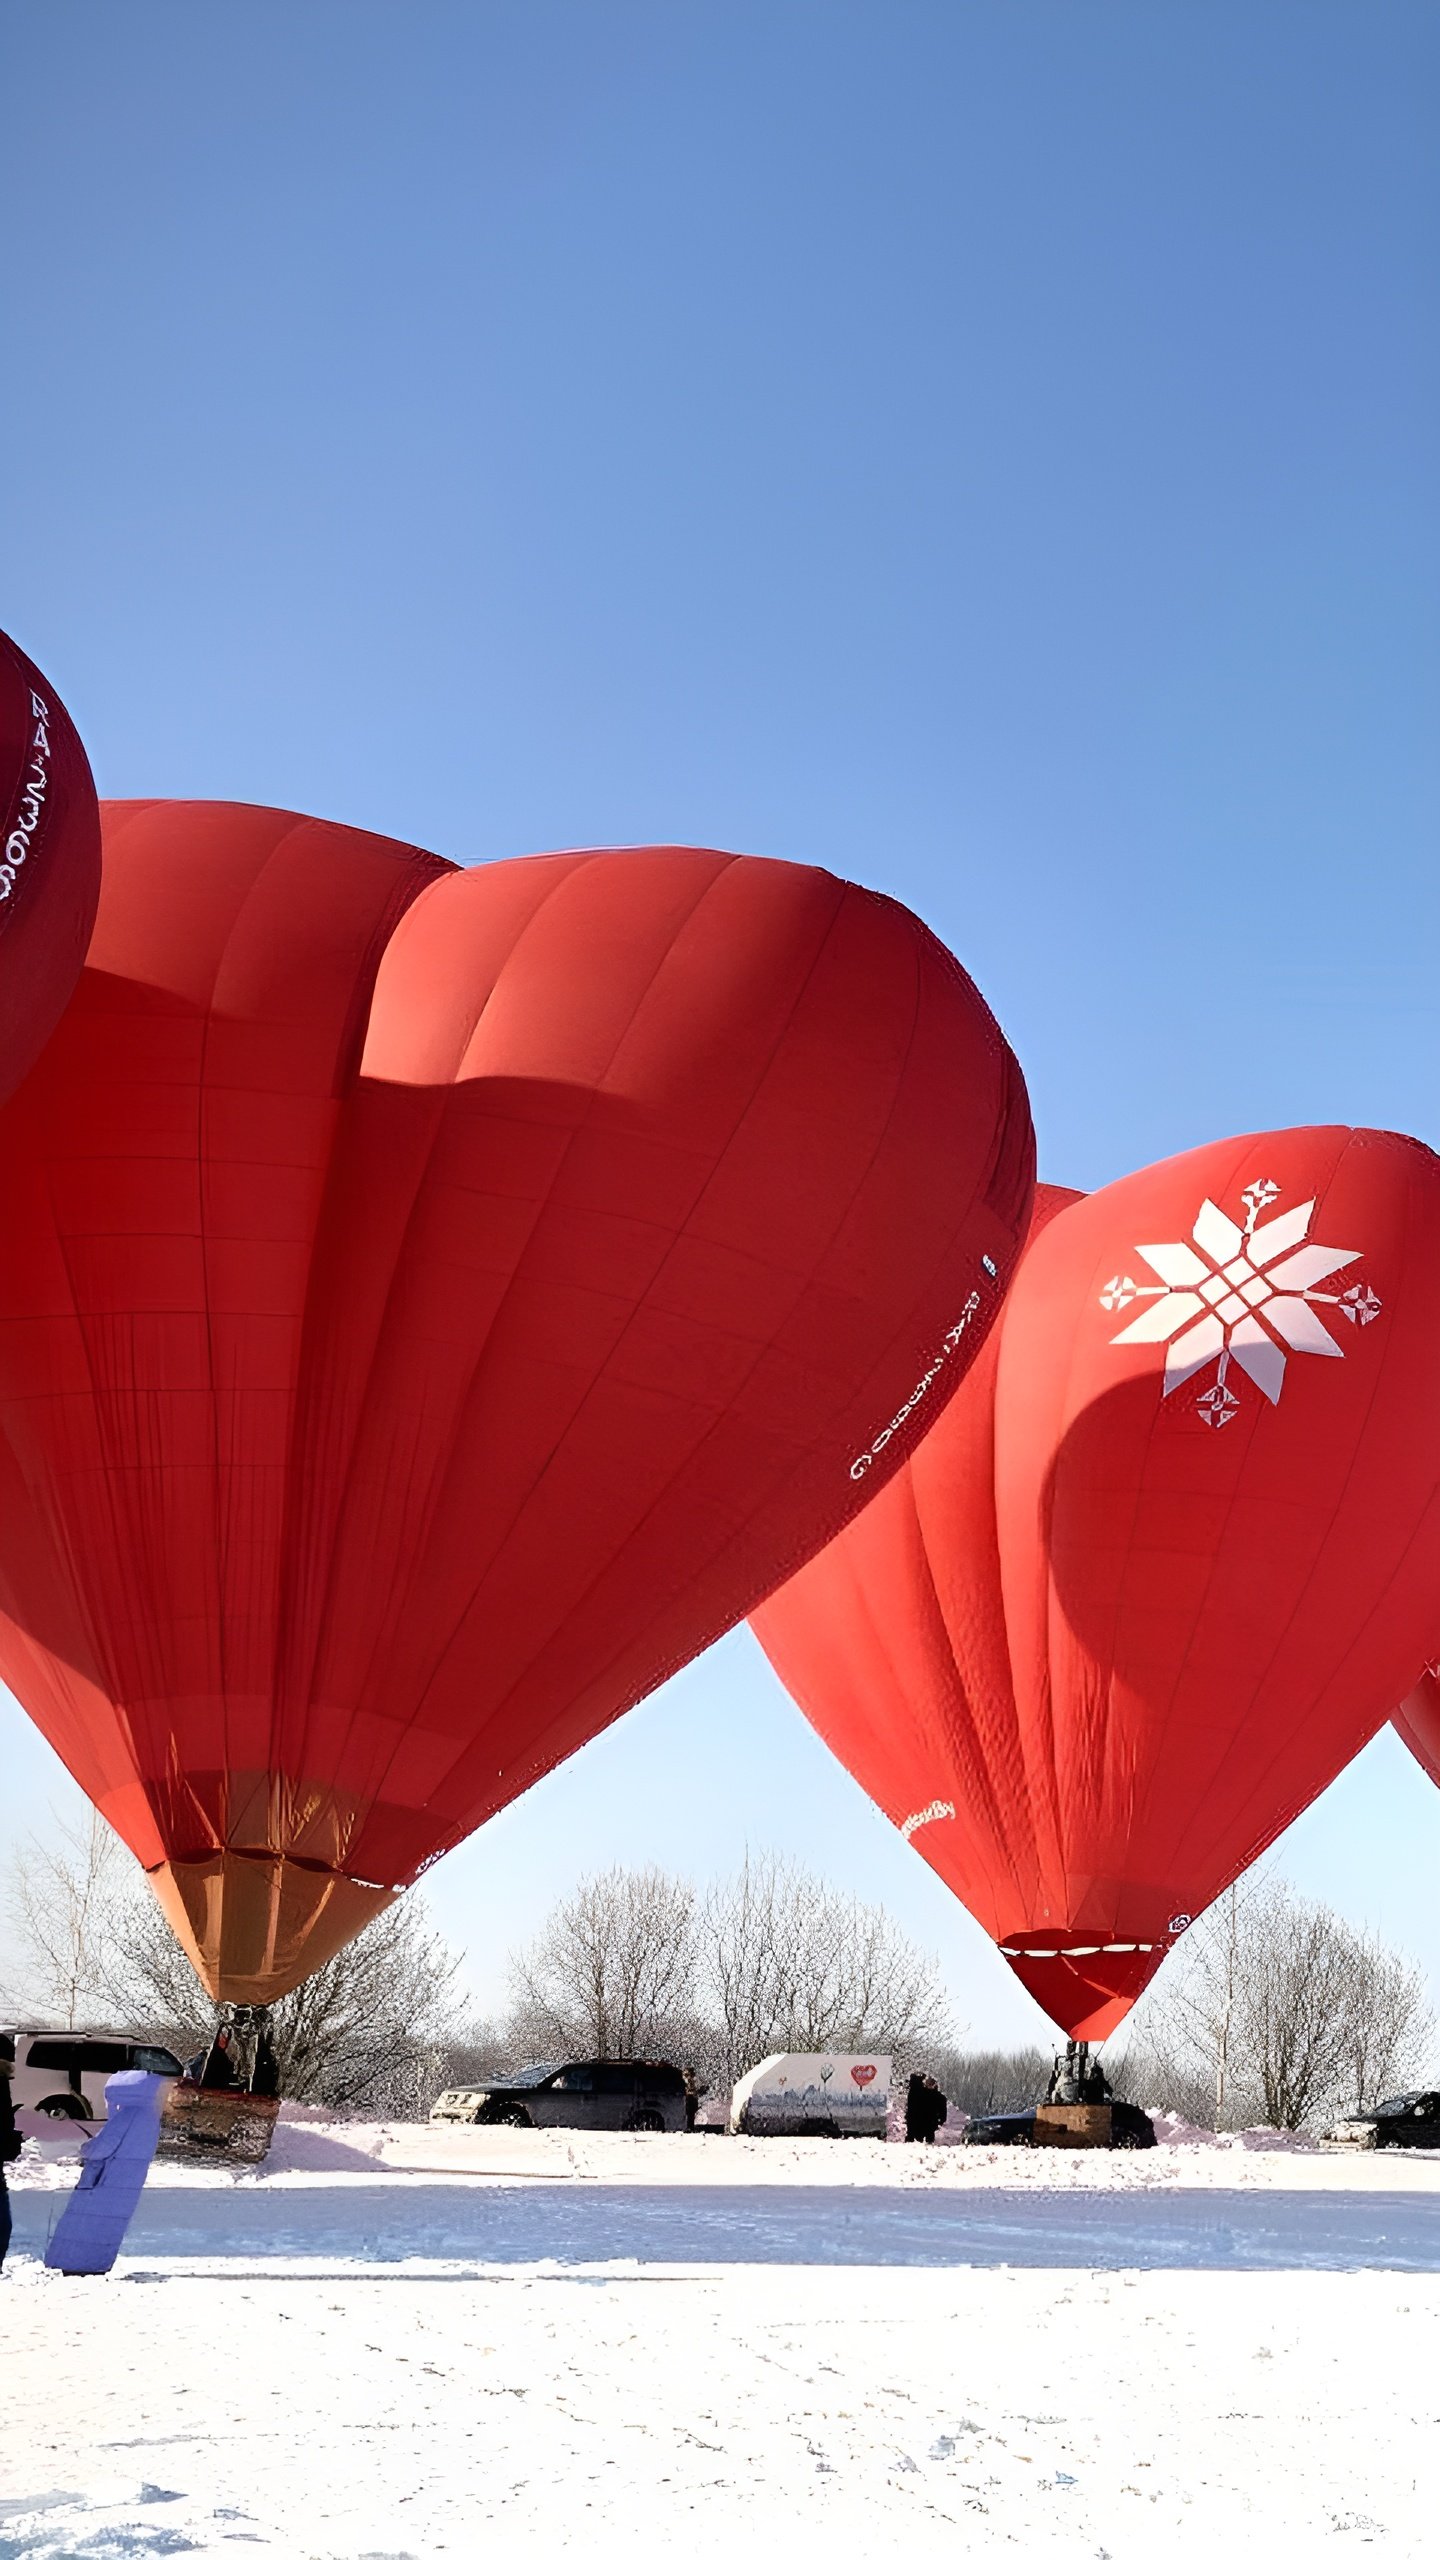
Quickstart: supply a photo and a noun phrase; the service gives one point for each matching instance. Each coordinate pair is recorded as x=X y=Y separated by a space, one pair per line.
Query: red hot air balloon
x=49 y=861
x=1163 y=1564
x=1418 y=1722
x=436 y=1304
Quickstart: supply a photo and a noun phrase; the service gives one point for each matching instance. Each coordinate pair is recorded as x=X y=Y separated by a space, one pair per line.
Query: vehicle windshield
x=528 y=2078
x=1400 y=2106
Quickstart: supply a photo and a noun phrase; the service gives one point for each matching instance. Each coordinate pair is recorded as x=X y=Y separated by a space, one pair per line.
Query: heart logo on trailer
x=862 y=2073
x=1233 y=1301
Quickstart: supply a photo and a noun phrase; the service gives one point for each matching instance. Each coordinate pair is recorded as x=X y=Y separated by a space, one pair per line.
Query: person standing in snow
x=1067 y=2085
x=215 y=2067
x=916 y=2111
x=937 y=2108
x=265 y=2070
x=9 y=2138
x=86 y=2240
x=694 y=2092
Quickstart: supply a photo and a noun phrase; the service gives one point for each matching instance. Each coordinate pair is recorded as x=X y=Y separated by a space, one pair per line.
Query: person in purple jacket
x=86 y=2239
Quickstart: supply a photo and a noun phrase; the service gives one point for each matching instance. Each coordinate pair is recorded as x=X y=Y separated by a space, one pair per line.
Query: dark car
x=1408 y=2123
x=1130 y=2127
x=584 y=2097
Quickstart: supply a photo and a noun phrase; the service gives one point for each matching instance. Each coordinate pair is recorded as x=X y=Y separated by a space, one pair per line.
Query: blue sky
x=982 y=446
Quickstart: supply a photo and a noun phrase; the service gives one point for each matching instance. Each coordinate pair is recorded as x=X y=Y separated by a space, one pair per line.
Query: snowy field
x=404 y=2341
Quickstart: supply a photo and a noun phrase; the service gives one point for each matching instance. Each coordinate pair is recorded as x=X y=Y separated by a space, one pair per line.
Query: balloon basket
x=220 y=2125
x=1062 y=2128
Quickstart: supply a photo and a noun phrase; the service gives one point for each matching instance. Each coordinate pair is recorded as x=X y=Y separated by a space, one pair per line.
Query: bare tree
x=612 y=1972
x=373 y=2025
x=1281 y=2011
x=787 y=1964
x=988 y=2081
x=61 y=1898
x=1389 y=2036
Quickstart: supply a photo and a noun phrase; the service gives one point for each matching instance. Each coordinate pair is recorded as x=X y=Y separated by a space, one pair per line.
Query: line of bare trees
x=1273 y=2009
x=771 y=1959
x=633 y=1962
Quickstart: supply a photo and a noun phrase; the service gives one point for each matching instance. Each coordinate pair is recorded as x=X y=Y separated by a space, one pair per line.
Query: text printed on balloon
x=32 y=797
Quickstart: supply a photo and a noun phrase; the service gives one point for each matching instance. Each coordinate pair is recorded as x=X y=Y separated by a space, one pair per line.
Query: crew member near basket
x=9 y=2138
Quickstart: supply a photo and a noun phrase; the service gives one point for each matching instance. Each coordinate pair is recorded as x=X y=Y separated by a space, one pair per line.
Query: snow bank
x=1173 y=2129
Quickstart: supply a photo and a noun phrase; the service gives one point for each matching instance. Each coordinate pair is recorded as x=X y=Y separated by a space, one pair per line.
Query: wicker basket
x=215 y=2124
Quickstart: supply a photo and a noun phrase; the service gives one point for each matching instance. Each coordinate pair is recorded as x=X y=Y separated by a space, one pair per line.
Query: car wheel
x=507 y=2111
x=644 y=2120
x=66 y=2110
x=1128 y=2141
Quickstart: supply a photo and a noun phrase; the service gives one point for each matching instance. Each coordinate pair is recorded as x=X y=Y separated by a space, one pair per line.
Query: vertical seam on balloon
x=578 y=864
x=969 y=1763
x=727 y=863
x=1015 y=1739
x=349 y=1051
x=221 y=1494
x=980 y=1781
x=1048 y=1772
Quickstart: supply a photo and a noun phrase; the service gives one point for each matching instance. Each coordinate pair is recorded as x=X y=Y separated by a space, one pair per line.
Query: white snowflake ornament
x=1247 y=1295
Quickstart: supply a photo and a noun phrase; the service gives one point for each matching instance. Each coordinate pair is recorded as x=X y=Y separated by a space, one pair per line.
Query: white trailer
x=824 y=2093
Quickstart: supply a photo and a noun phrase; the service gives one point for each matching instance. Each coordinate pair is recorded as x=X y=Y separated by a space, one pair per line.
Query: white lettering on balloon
x=20 y=841
x=867 y=1457
x=939 y=1811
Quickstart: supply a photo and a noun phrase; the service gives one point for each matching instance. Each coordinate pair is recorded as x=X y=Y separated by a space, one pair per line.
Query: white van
x=62 y=2071
x=824 y=2093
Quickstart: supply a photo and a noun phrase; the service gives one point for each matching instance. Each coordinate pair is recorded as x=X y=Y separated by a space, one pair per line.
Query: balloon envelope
x=441 y=1302
x=49 y=861
x=1418 y=1723
x=1162 y=1565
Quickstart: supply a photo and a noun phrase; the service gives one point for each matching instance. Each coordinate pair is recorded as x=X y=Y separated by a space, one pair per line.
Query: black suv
x=1409 y=2123
x=1130 y=2127
x=585 y=2097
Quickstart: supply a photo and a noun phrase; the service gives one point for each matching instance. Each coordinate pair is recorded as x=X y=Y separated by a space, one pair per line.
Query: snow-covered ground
x=402 y=2340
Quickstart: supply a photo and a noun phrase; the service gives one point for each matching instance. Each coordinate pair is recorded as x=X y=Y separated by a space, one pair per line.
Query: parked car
x=62 y=2072
x=584 y=2097
x=1130 y=2127
x=834 y=2094
x=1408 y=2123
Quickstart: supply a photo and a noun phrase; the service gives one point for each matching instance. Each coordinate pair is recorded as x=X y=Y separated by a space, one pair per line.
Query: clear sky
x=983 y=446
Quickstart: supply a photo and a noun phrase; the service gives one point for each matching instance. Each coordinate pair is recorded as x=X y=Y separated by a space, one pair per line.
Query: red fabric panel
x=1212 y=1581
x=1418 y=1723
x=412 y=1359
x=166 y=1167
x=49 y=861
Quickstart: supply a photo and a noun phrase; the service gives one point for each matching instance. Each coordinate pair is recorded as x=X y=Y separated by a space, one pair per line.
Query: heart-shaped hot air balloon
x=1162 y=1565
x=1418 y=1722
x=49 y=861
x=436 y=1304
